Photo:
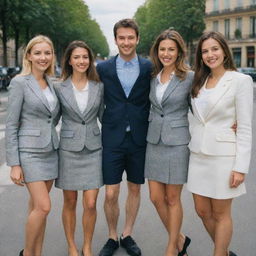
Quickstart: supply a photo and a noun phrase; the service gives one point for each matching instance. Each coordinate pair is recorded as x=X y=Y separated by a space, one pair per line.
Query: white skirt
x=209 y=176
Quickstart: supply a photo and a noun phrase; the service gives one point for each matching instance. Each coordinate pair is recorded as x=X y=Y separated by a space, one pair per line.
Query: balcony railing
x=231 y=11
x=242 y=38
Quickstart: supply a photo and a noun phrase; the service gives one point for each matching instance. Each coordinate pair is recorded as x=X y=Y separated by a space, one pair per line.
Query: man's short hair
x=126 y=23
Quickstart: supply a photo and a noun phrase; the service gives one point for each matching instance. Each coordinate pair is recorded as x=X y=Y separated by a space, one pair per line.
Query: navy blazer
x=119 y=109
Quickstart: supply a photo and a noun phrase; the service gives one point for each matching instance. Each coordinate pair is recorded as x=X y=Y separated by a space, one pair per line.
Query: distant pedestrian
x=220 y=156
x=168 y=135
x=80 y=154
x=126 y=79
x=31 y=138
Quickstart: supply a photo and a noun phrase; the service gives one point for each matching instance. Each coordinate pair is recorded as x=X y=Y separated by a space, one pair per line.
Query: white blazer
x=212 y=135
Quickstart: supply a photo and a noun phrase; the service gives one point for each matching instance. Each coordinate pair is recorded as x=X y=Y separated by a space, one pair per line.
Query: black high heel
x=21 y=252
x=185 y=246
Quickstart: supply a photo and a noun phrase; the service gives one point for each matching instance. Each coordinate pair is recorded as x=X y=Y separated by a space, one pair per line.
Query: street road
x=149 y=232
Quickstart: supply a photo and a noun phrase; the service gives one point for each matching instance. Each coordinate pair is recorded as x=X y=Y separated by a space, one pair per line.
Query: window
x=215 y=26
x=227 y=29
x=239 y=3
x=253 y=26
x=227 y=4
x=250 y=56
x=253 y=2
x=237 y=56
x=215 y=5
x=238 y=31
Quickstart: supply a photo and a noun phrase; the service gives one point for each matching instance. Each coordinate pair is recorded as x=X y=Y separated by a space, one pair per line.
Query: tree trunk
x=17 y=46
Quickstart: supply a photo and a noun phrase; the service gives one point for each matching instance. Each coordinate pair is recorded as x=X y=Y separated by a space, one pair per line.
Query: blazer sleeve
x=244 y=110
x=101 y=108
x=15 y=103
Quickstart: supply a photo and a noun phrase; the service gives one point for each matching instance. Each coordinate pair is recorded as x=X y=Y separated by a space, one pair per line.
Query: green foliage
x=62 y=21
x=155 y=16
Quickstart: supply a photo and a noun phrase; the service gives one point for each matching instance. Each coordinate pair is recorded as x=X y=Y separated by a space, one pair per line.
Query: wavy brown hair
x=67 y=69
x=181 y=67
x=26 y=63
x=201 y=70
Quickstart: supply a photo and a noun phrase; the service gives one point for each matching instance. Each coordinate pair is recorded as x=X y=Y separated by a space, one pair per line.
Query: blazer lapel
x=35 y=87
x=196 y=112
x=93 y=92
x=68 y=94
x=53 y=93
x=154 y=83
x=170 y=88
x=222 y=87
x=113 y=74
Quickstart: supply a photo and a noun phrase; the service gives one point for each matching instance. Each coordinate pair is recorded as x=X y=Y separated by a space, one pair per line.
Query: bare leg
x=111 y=208
x=159 y=199
x=223 y=225
x=35 y=227
x=89 y=218
x=157 y=192
x=39 y=242
x=175 y=215
x=203 y=206
x=69 y=220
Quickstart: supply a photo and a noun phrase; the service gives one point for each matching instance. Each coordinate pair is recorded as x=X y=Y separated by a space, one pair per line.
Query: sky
x=108 y=12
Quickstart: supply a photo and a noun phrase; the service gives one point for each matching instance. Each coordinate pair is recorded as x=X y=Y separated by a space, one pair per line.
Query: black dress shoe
x=231 y=253
x=21 y=252
x=185 y=246
x=109 y=248
x=130 y=246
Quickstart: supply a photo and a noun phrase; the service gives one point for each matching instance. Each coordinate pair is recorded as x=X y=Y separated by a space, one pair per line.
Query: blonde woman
x=31 y=138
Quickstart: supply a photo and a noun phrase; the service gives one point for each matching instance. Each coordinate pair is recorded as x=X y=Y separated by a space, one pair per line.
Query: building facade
x=236 y=19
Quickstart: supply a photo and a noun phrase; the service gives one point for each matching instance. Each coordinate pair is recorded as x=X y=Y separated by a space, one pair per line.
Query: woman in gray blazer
x=167 y=153
x=80 y=155
x=31 y=138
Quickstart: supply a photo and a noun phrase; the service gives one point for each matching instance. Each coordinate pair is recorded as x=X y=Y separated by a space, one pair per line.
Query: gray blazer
x=30 y=124
x=80 y=129
x=168 y=121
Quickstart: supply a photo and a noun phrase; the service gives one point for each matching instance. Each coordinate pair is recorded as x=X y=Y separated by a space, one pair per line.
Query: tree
x=155 y=16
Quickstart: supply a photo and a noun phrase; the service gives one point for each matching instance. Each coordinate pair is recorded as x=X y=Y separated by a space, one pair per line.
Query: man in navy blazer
x=126 y=79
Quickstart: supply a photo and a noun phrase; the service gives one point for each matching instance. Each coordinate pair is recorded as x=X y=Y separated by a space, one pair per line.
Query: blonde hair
x=26 y=63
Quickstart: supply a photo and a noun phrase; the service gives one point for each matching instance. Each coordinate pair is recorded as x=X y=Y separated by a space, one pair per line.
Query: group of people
x=143 y=109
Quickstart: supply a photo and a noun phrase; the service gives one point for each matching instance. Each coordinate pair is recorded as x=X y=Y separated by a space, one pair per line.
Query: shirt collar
x=122 y=62
x=158 y=77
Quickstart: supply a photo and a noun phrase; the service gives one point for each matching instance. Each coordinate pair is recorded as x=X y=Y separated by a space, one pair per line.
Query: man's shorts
x=127 y=157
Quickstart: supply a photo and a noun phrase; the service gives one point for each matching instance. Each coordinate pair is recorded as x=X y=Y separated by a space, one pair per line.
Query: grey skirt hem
x=173 y=182
x=75 y=188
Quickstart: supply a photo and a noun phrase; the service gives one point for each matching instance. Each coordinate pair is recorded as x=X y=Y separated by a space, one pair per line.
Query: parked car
x=3 y=78
x=248 y=71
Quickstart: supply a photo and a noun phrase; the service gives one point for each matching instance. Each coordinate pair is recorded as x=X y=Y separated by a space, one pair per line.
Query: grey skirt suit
x=80 y=153
x=167 y=153
x=31 y=138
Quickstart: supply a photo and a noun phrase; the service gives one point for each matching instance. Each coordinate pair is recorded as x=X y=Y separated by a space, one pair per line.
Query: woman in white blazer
x=80 y=154
x=220 y=156
x=31 y=138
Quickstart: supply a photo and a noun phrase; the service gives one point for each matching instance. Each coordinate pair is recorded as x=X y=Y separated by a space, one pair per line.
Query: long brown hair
x=180 y=64
x=201 y=70
x=26 y=63
x=67 y=69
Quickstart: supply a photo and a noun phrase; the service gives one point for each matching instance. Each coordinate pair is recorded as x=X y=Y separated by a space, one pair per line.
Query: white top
x=81 y=97
x=161 y=87
x=50 y=98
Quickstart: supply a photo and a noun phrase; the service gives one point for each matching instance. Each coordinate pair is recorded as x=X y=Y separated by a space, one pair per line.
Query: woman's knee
x=203 y=213
x=90 y=205
x=70 y=202
x=43 y=208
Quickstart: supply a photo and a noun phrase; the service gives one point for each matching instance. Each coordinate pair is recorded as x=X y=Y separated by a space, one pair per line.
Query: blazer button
x=49 y=116
x=162 y=115
x=83 y=123
x=49 y=121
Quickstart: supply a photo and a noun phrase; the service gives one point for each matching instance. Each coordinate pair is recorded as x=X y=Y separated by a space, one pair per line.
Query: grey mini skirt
x=80 y=170
x=39 y=166
x=167 y=164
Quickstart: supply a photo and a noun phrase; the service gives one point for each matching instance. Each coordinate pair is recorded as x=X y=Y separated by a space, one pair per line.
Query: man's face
x=126 y=41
